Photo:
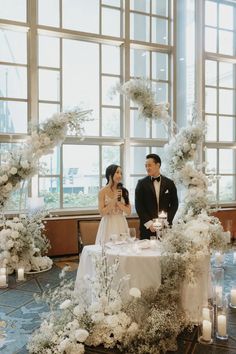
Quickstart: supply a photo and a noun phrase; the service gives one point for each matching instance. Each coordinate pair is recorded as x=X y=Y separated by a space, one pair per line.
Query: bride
x=113 y=205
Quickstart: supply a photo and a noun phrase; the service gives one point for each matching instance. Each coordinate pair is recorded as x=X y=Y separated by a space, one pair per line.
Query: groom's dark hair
x=156 y=158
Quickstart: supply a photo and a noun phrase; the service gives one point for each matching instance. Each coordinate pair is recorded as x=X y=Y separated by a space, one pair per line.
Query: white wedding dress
x=113 y=223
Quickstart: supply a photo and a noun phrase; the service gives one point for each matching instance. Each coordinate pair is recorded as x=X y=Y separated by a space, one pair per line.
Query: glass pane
x=111 y=2
x=110 y=66
x=159 y=130
x=226 y=161
x=110 y=122
x=48 y=13
x=110 y=155
x=226 y=102
x=139 y=127
x=211 y=158
x=139 y=27
x=226 y=42
x=160 y=7
x=111 y=22
x=210 y=40
x=211 y=134
x=140 y=5
x=226 y=16
x=13 y=47
x=161 y=92
x=137 y=159
x=159 y=66
x=226 y=74
x=13 y=117
x=159 y=31
x=226 y=129
x=13 y=81
x=81 y=82
x=211 y=13
x=46 y=110
x=210 y=72
x=139 y=63
x=210 y=100
x=49 y=51
x=14 y=10
x=81 y=15
x=226 y=189
x=107 y=84
x=51 y=163
x=80 y=176
x=49 y=85
x=49 y=188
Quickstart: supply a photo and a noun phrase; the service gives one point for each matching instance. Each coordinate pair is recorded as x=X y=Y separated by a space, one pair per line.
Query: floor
x=20 y=314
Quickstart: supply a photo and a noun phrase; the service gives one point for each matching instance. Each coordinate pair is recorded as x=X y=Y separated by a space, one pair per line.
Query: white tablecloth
x=144 y=268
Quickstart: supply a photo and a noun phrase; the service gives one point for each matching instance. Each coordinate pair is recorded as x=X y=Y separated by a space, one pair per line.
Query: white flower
x=8 y=186
x=4 y=178
x=98 y=317
x=13 y=171
x=135 y=292
x=24 y=164
x=65 y=304
x=81 y=335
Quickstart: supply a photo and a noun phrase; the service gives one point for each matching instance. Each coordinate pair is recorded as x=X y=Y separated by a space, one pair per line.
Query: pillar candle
x=234 y=259
x=3 y=280
x=218 y=258
x=206 y=330
x=218 y=291
x=233 y=297
x=20 y=274
x=3 y=271
x=221 y=325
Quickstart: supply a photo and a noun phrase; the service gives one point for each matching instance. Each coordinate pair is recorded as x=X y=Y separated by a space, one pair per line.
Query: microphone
x=119 y=188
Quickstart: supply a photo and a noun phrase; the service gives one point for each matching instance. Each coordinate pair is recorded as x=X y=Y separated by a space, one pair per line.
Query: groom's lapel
x=163 y=186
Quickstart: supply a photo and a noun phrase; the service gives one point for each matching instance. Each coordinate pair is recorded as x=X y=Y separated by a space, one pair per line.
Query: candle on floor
x=3 y=271
x=233 y=297
x=3 y=280
x=221 y=325
x=206 y=330
x=20 y=274
x=218 y=258
x=234 y=258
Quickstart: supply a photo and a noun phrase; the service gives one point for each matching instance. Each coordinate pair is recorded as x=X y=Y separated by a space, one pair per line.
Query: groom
x=154 y=193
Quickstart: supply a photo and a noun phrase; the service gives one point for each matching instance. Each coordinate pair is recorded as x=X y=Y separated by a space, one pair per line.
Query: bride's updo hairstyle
x=110 y=171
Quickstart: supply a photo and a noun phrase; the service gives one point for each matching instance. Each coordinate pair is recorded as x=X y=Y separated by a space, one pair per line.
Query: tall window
x=220 y=95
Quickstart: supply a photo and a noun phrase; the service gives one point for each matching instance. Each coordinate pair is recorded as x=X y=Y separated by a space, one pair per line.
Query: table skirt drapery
x=144 y=268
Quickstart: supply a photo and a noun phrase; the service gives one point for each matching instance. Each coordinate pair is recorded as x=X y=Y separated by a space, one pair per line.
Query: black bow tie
x=156 y=179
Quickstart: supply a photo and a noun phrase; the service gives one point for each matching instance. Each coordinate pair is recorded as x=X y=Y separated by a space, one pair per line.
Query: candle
x=218 y=258
x=206 y=314
x=206 y=330
x=3 y=280
x=221 y=325
x=228 y=236
x=218 y=292
x=233 y=297
x=3 y=271
x=162 y=215
x=20 y=274
x=234 y=259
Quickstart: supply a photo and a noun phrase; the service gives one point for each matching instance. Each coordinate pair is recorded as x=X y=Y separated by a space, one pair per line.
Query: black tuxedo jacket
x=146 y=202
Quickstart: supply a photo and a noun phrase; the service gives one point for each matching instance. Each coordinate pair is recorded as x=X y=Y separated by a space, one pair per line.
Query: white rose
x=15 y=234
x=98 y=317
x=65 y=304
x=8 y=187
x=24 y=164
x=4 y=178
x=13 y=171
x=47 y=141
x=135 y=292
x=81 y=335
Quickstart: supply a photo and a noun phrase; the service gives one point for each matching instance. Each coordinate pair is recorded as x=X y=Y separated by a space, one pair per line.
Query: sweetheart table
x=142 y=261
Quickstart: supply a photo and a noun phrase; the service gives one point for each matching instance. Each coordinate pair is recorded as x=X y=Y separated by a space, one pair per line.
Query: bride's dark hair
x=110 y=171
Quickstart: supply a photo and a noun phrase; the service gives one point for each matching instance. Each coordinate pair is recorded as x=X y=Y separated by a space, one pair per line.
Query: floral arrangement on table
x=23 y=243
x=21 y=164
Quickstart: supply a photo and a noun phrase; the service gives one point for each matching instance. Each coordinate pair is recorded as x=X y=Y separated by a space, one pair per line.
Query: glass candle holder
x=3 y=281
x=234 y=257
x=206 y=326
x=232 y=298
x=218 y=286
x=222 y=321
x=219 y=259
